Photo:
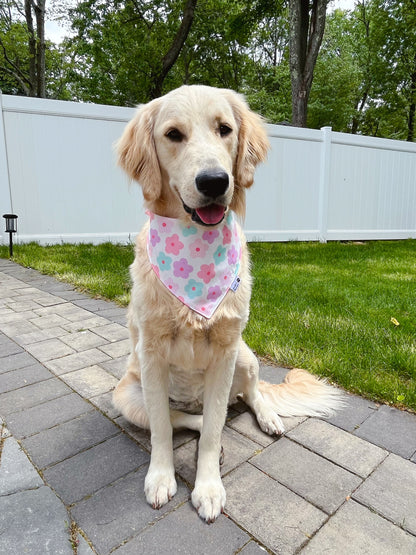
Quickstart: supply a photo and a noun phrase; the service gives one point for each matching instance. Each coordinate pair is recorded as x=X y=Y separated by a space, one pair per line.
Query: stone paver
x=90 y=381
x=85 y=473
x=391 y=491
x=253 y=548
x=355 y=529
x=34 y=522
x=119 y=511
x=16 y=471
x=117 y=349
x=22 y=377
x=184 y=530
x=46 y=415
x=314 y=478
x=83 y=340
x=77 y=361
x=16 y=361
x=342 y=448
x=112 y=332
x=356 y=411
x=32 y=395
x=49 y=349
x=391 y=429
x=236 y=447
x=67 y=439
x=274 y=515
x=72 y=468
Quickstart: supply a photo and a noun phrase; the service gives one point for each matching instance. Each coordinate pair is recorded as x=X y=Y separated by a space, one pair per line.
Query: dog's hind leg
x=128 y=398
x=246 y=385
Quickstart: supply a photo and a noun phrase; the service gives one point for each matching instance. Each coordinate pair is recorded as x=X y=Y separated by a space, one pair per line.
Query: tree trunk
x=40 y=48
x=307 y=25
x=172 y=54
x=412 y=107
x=36 y=43
x=32 y=48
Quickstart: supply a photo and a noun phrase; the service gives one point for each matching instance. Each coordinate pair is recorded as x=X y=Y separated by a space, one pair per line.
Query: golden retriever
x=194 y=152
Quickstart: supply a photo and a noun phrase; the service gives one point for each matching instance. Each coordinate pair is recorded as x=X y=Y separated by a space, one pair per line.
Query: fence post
x=324 y=174
x=5 y=192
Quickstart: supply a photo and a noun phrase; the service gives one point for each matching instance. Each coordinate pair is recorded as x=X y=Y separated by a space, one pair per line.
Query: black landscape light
x=11 y=227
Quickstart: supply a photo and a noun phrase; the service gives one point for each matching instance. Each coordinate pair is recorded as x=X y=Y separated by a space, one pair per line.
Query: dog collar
x=198 y=265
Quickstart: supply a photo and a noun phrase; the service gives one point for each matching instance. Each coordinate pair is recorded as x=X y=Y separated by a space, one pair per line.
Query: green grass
x=101 y=270
x=323 y=307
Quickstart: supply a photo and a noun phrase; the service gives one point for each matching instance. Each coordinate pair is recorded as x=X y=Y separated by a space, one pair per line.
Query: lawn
x=346 y=311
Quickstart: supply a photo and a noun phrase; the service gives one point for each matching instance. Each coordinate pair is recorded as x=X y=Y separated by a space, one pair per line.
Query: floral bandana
x=198 y=265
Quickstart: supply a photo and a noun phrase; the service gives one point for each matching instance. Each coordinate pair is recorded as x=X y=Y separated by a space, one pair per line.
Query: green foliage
x=364 y=79
x=338 y=76
x=14 y=62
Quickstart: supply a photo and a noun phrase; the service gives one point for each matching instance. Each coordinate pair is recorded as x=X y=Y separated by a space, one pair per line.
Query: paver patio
x=72 y=469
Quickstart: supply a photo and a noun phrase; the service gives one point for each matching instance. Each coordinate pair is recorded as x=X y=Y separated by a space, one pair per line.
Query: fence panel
x=58 y=174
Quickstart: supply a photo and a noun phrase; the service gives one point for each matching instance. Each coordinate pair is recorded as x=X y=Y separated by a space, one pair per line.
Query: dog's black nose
x=212 y=183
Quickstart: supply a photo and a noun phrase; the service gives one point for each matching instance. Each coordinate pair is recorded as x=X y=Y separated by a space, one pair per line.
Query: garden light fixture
x=11 y=227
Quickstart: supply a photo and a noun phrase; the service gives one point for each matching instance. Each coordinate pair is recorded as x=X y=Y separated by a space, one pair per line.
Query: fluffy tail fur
x=301 y=394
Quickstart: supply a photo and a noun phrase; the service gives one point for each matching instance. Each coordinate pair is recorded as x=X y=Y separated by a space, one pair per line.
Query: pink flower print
x=182 y=269
x=165 y=225
x=214 y=293
x=171 y=285
x=198 y=249
x=150 y=214
x=210 y=235
x=194 y=289
x=232 y=256
x=156 y=270
x=173 y=245
x=154 y=237
x=206 y=273
x=227 y=235
x=219 y=254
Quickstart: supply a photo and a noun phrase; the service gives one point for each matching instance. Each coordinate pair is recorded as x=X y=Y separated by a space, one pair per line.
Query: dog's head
x=194 y=152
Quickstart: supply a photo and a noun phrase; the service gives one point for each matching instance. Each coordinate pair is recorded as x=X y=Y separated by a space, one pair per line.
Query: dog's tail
x=302 y=394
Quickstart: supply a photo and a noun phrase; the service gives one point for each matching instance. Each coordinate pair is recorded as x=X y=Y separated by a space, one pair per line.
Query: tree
x=125 y=51
x=338 y=75
x=174 y=49
x=307 y=25
x=26 y=66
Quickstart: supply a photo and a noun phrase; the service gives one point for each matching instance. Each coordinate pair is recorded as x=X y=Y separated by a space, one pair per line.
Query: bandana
x=198 y=265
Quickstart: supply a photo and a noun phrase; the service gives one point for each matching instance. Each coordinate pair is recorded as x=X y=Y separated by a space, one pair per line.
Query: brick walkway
x=72 y=469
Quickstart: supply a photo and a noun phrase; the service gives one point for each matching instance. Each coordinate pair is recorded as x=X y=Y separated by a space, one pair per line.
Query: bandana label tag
x=235 y=284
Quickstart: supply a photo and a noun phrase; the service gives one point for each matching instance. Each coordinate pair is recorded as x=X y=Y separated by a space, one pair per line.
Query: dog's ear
x=253 y=145
x=136 y=151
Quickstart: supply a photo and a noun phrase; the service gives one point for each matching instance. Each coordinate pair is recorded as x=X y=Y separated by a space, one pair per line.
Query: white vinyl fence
x=58 y=174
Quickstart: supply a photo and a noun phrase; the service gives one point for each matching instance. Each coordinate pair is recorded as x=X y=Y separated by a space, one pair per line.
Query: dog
x=194 y=152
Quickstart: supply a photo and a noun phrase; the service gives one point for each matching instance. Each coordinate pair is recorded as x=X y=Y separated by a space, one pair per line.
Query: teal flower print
x=219 y=254
x=193 y=289
x=164 y=262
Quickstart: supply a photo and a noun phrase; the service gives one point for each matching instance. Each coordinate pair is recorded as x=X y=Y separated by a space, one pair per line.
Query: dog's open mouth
x=213 y=214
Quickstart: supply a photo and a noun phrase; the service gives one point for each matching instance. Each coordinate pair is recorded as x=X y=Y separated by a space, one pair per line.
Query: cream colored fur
x=177 y=354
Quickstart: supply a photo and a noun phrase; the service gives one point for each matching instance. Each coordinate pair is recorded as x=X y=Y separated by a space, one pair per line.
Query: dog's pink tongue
x=211 y=214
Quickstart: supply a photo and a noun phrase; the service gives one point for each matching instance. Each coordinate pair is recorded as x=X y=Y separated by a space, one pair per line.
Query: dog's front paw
x=269 y=421
x=208 y=498
x=159 y=487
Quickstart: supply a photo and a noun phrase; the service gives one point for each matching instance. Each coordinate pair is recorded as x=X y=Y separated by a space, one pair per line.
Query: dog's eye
x=225 y=130
x=174 y=135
